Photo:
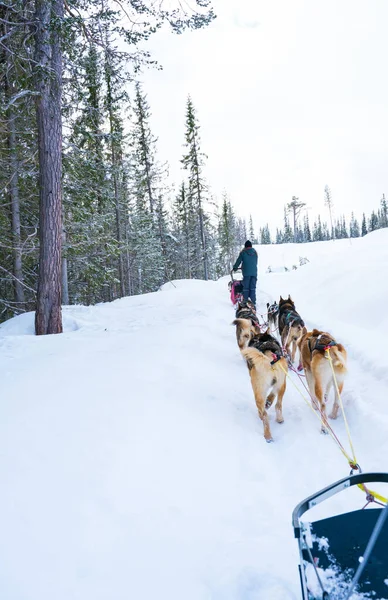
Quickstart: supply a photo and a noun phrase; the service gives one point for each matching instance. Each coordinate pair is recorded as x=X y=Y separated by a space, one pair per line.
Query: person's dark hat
x=248 y=244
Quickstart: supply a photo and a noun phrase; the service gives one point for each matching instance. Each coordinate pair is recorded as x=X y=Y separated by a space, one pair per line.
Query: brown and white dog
x=319 y=375
x=291 y=326
x=245 y=331
x=267 y=370
x=246 y=322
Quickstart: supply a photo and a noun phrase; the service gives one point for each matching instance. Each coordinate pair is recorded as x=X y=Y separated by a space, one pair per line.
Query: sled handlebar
x=329 y=491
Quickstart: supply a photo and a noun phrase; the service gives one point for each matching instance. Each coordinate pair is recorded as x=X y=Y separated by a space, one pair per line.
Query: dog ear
x=268 y=304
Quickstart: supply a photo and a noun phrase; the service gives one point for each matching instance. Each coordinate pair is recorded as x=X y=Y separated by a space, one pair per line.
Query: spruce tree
x=288 y=235
x=364 y=230
x=383 y=212
x=354 y=227
x=193 y=162
x=306 y=229
x=373 y=222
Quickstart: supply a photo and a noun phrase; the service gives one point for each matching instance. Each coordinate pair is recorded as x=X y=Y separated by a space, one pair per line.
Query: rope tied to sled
x=354 y=461
x=355 y=465
x=372 y=496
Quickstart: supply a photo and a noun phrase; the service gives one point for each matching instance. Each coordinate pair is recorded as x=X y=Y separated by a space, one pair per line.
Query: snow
x=132 y=459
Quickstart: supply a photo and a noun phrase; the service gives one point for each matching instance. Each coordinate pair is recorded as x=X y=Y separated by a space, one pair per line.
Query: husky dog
x=291 y=326
x=246 y=310
x=245 y=331
x=267 y=370
x=319 y=376
x=272 y=315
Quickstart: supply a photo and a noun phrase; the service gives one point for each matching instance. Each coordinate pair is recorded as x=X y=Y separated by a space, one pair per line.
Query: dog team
x=268 y=358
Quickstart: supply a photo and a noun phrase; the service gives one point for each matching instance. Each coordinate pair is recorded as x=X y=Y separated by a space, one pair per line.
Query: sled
x=236 y=286
x=345 y=556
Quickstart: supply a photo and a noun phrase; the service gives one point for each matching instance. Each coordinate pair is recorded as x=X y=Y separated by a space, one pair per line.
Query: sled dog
x=245 y=330
x=291 y=326
x=267 y=369
x=317 y=367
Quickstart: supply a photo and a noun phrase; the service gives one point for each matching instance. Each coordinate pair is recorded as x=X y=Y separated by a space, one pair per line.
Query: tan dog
x=317 y=367
x=267 y=370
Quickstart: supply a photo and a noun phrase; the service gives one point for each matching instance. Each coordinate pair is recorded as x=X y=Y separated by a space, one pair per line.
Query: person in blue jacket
x=248 y=258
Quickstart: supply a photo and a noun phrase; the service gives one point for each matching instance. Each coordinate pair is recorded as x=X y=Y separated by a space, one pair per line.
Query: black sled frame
x=347 y=538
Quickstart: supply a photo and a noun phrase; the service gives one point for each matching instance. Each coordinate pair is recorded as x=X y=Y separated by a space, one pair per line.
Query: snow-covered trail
x=133 y=461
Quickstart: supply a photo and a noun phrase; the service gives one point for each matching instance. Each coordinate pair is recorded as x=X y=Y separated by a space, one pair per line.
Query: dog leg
x=300 y=365
x=260 y=403
x=319 y=397
x=293 y=351
x=270 y=399
x=334 y=412
x=279 y=404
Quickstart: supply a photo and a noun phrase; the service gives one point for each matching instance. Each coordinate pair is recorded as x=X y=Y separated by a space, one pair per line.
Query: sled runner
x=345 y=556
x=236 y=286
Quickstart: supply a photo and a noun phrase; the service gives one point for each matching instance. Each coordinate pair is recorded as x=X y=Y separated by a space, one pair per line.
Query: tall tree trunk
x=48 y=77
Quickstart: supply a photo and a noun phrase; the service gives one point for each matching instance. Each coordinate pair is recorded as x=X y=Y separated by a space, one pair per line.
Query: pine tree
x=226 y=236
x=364 y=230
x=384 y=212
x=317 y=230
x=354 y=227
x=373 y=222
x=265 y=235
x=306 y=229
x=252 y=235
x=279 y=236
x=193 y=162
x=288 y=235
x=344 y=231
x=329 y=204
x=89 y=219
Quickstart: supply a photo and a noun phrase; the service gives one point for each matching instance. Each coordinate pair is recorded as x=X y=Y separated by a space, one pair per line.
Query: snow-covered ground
x=132 y=459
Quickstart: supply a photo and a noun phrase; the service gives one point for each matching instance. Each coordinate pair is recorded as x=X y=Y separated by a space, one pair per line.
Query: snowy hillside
x=132 y=460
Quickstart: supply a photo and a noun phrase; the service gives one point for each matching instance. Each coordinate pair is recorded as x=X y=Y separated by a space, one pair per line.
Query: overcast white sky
x=291 y=95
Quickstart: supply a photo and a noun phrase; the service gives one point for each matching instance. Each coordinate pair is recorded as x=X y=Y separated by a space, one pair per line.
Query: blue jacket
x=248 y=258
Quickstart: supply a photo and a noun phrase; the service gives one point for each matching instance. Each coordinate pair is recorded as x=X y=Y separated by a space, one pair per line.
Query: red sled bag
x=236 y=288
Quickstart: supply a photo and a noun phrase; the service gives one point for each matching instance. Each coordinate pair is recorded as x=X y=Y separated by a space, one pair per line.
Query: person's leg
x=245 y=282
x=252 y=289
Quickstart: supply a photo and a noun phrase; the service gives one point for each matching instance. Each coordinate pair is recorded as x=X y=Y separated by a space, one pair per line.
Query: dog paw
x=269 y=441
x=280 y=420
x=268 y=404
x=324 y=431
x=332 y=416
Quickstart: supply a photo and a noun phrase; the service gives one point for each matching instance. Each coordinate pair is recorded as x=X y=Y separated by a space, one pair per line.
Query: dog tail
x=337 y=358
x=240 y=323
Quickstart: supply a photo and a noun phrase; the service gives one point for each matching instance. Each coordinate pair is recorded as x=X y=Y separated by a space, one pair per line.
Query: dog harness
x=268 y=344
x=320 y=346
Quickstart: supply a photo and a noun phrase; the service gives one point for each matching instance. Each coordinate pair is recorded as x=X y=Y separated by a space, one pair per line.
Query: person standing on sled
x=248 y=258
